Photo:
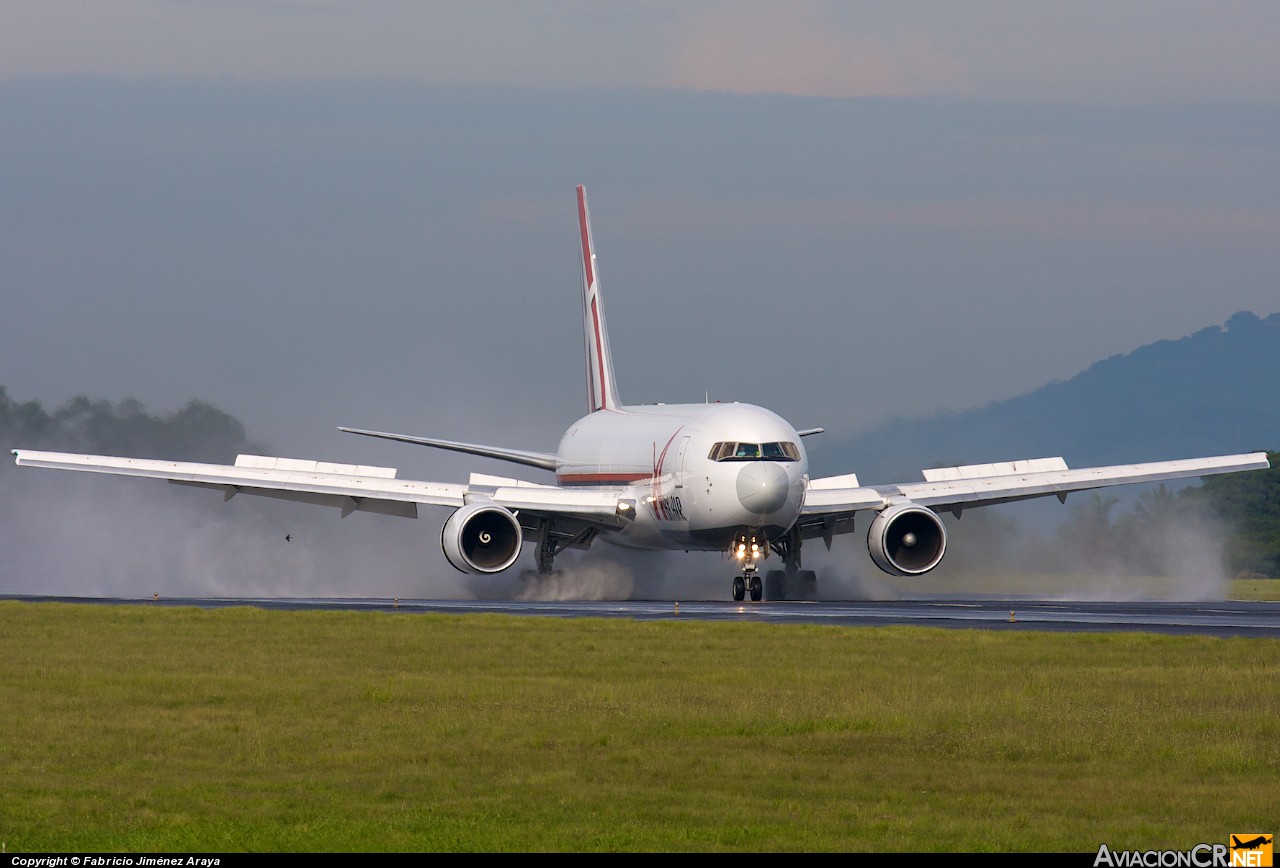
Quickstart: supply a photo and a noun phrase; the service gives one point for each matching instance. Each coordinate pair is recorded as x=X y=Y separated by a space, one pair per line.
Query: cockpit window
x=730 y=451
x=776 y=452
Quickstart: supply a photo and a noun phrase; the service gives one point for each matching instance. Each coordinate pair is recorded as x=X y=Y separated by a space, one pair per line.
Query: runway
x=1223 y=619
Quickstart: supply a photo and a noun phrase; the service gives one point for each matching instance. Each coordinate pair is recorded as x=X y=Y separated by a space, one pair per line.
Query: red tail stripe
x=599 y=371
x=588 y=266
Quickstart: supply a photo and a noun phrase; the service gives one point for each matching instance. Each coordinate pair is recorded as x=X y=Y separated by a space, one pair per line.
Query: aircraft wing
x=832 y=501
x=351 y=487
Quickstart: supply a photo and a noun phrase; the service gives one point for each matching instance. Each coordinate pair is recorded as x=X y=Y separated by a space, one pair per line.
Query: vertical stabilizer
x=602 y=390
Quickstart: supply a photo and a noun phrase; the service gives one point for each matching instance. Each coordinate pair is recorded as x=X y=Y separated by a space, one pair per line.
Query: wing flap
x=343 y=502
x=821 y=501
x=267 y=462
x=1003 y=468
x=606 y=503
x=846 y=480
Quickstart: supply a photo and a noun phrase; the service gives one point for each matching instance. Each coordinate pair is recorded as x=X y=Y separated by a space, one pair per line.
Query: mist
x=1148 y=544
x=83 y=534
x=74 y=534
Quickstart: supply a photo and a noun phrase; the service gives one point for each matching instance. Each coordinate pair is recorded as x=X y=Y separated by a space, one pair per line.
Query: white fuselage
x=687 y=498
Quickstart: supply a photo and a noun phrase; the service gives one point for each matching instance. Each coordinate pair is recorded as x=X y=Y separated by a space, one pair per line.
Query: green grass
x=1079 y=586
x=156 y=729
x=1255 y=589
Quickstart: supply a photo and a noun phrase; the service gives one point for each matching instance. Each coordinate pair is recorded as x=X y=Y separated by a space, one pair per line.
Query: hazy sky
x=321 y=212
x=315 y=213
x=1052 y=50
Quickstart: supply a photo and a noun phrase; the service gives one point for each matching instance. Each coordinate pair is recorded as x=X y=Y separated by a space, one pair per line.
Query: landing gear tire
x=739 y=588
x=775 y=585
x=791 y=585
x=807 y=585
x=757 y=590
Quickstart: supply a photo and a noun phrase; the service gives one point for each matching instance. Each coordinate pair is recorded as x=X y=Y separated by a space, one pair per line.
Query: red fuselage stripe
x=599 y=478
x=659 y=506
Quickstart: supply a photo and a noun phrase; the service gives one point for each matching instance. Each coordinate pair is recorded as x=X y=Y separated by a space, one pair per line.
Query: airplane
x=726 y=477
x=1251 y=844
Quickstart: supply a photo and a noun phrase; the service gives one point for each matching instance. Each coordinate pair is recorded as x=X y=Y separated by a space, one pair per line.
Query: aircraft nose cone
x=762 y=486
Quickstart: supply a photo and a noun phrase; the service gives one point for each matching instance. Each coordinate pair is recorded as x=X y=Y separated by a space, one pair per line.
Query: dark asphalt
x=1225 y=618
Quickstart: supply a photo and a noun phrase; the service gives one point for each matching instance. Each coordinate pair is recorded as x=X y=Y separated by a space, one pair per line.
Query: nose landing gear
x=789 y=583
x=748 y=548
x=748 y=583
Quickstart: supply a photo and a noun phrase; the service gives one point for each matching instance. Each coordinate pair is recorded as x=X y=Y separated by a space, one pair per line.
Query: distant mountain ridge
x=1216 y=391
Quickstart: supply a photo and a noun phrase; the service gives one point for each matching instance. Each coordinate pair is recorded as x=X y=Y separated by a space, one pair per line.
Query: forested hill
x=1213 y=392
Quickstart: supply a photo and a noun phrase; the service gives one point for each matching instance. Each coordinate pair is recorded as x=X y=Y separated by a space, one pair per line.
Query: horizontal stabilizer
x=545 y=460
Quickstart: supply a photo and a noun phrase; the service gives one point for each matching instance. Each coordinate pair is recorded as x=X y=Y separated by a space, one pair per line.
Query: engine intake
x=481 y=538
x=907 y=540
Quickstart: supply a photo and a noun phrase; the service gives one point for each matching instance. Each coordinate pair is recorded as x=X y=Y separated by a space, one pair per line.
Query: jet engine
x=907 y=539
x=481 y=538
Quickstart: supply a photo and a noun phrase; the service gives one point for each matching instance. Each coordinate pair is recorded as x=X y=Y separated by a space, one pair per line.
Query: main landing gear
x=552 y=541
x=790 y=584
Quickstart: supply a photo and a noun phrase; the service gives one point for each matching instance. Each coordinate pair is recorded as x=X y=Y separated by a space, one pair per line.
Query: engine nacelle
x=907 y=539
x=481 y=538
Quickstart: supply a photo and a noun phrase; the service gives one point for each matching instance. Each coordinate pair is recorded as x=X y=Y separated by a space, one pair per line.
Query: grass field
x=156 y=729
x=1255 y=589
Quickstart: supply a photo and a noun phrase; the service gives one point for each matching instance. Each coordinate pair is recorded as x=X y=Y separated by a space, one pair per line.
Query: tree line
x=1248 y=506
x=1240 y=512
x=197 y=432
